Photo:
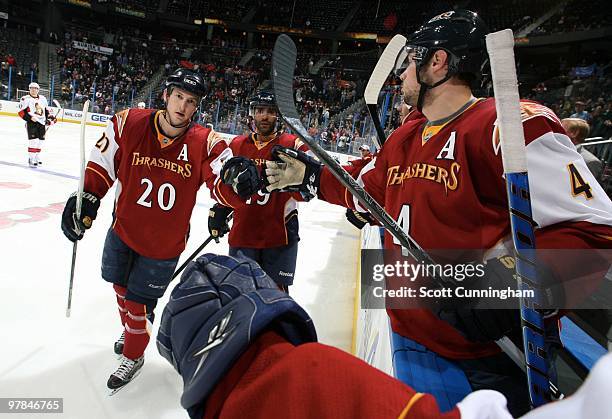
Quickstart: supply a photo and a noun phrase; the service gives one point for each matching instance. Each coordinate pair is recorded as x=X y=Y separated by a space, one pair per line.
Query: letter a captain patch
x=448 y=151
x=183 y=154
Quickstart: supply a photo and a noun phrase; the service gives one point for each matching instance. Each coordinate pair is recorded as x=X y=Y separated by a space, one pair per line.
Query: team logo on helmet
x=445 y=15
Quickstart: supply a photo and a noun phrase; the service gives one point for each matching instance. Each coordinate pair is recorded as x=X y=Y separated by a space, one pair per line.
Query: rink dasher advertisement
x=10 y=108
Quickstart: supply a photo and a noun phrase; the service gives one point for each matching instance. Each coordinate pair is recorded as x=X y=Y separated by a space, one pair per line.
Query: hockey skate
x=118 y=347
x=32 y=162
x=127 y=371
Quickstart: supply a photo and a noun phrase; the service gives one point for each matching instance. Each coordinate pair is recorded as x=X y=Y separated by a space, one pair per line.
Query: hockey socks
x=137 y=330
x=33 y=150
x=120 y=294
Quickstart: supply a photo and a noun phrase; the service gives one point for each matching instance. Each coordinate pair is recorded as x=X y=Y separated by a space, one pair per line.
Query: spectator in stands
x=581 y=112
x=364 y=150
x=12 y=62
x=577 y=130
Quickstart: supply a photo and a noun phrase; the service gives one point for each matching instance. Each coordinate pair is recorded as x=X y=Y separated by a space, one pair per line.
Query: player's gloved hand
x=217 y=221
x=294 y=171
x=221 y=305
x=73 y=227
x=242 y=175
x=489 y=319
x=359 y=219
x=51 y=119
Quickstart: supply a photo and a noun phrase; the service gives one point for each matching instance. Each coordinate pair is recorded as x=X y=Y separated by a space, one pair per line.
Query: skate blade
x=115 y=391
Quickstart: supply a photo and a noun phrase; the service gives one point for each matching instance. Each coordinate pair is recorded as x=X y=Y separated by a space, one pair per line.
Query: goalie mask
x=461 y=34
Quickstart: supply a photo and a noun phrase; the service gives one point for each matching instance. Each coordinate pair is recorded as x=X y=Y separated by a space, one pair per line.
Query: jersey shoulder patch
x=212 y=140
x=121 y=118
x=531 y=110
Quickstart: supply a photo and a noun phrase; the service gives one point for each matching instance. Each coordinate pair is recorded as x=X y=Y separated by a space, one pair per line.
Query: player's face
x=181 y=105
x=265 y=120
x=410 y=86
x=33 y=91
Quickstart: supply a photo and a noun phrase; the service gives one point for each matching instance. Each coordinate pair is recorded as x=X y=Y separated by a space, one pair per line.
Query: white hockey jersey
x=35 y=107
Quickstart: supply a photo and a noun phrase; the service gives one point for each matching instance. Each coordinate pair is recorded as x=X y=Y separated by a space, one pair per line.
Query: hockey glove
x=242 y=175
x=293 y=171
x=51 y=120
x=359 y=219
x=489 y=319
x=217 y=221
x=220 y=307
x=73 y=227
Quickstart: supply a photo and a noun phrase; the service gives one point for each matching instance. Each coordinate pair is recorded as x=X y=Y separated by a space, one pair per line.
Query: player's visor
x=407 y=55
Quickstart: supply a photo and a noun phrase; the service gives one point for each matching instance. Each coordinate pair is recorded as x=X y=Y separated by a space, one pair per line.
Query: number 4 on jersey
x=404 y=221
x=579 y=186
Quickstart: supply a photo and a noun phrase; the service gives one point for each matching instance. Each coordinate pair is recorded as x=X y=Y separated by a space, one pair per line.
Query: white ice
x=45 y=354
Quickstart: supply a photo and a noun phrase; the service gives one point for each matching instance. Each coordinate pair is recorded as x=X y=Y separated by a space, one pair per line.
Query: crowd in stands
x=577 y=16
x=328 y=86
x=112 y=78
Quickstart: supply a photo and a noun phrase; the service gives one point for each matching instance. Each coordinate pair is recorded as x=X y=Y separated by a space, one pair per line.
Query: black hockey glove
x=242 y=175
x=217 y=221
x=360 y=219
x=489 y=319
x=50 y=120
x=74 y=228
x=293 y=171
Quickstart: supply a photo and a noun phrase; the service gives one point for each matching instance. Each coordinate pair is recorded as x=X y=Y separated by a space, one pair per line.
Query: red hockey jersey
x=444 y=184
x=158 y=178
x=260 y=221
x=319 y=381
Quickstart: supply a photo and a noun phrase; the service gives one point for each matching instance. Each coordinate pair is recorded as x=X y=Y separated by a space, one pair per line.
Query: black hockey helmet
x=187 y=80
x=260 y=99
x=461 y=33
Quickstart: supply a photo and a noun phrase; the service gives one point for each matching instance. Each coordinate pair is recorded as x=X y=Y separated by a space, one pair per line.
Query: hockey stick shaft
x=196 y=252
x=78 y=203
x=283 y=64
x=500 y=46
x=383 y=68
x=192 y=256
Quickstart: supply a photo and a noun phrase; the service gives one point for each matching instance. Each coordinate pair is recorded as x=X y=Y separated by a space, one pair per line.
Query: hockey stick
x=196 y=252
x=381 y=72
x=78 y=202
x=500 y=46
x=57 y=105
x=283 y=65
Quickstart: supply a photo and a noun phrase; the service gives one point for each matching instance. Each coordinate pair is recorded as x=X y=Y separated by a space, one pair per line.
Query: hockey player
x=442 y=179
x=276 y=349
x=159 y=158
x=141 y=105
x=265 y=226
x=34 y=109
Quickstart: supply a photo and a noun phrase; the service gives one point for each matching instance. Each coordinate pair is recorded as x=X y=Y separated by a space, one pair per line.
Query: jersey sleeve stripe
x=219 y=194
x=107 y=180
x=415 y=398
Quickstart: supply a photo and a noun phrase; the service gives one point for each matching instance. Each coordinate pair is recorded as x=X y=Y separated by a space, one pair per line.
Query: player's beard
x=264 y=131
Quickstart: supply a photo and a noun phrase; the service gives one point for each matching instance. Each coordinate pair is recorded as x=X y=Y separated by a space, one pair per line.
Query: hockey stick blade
x=283 y=65
x=381 y=72
x=500 y=47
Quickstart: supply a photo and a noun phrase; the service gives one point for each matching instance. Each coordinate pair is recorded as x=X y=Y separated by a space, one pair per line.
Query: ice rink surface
x=45 y=354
